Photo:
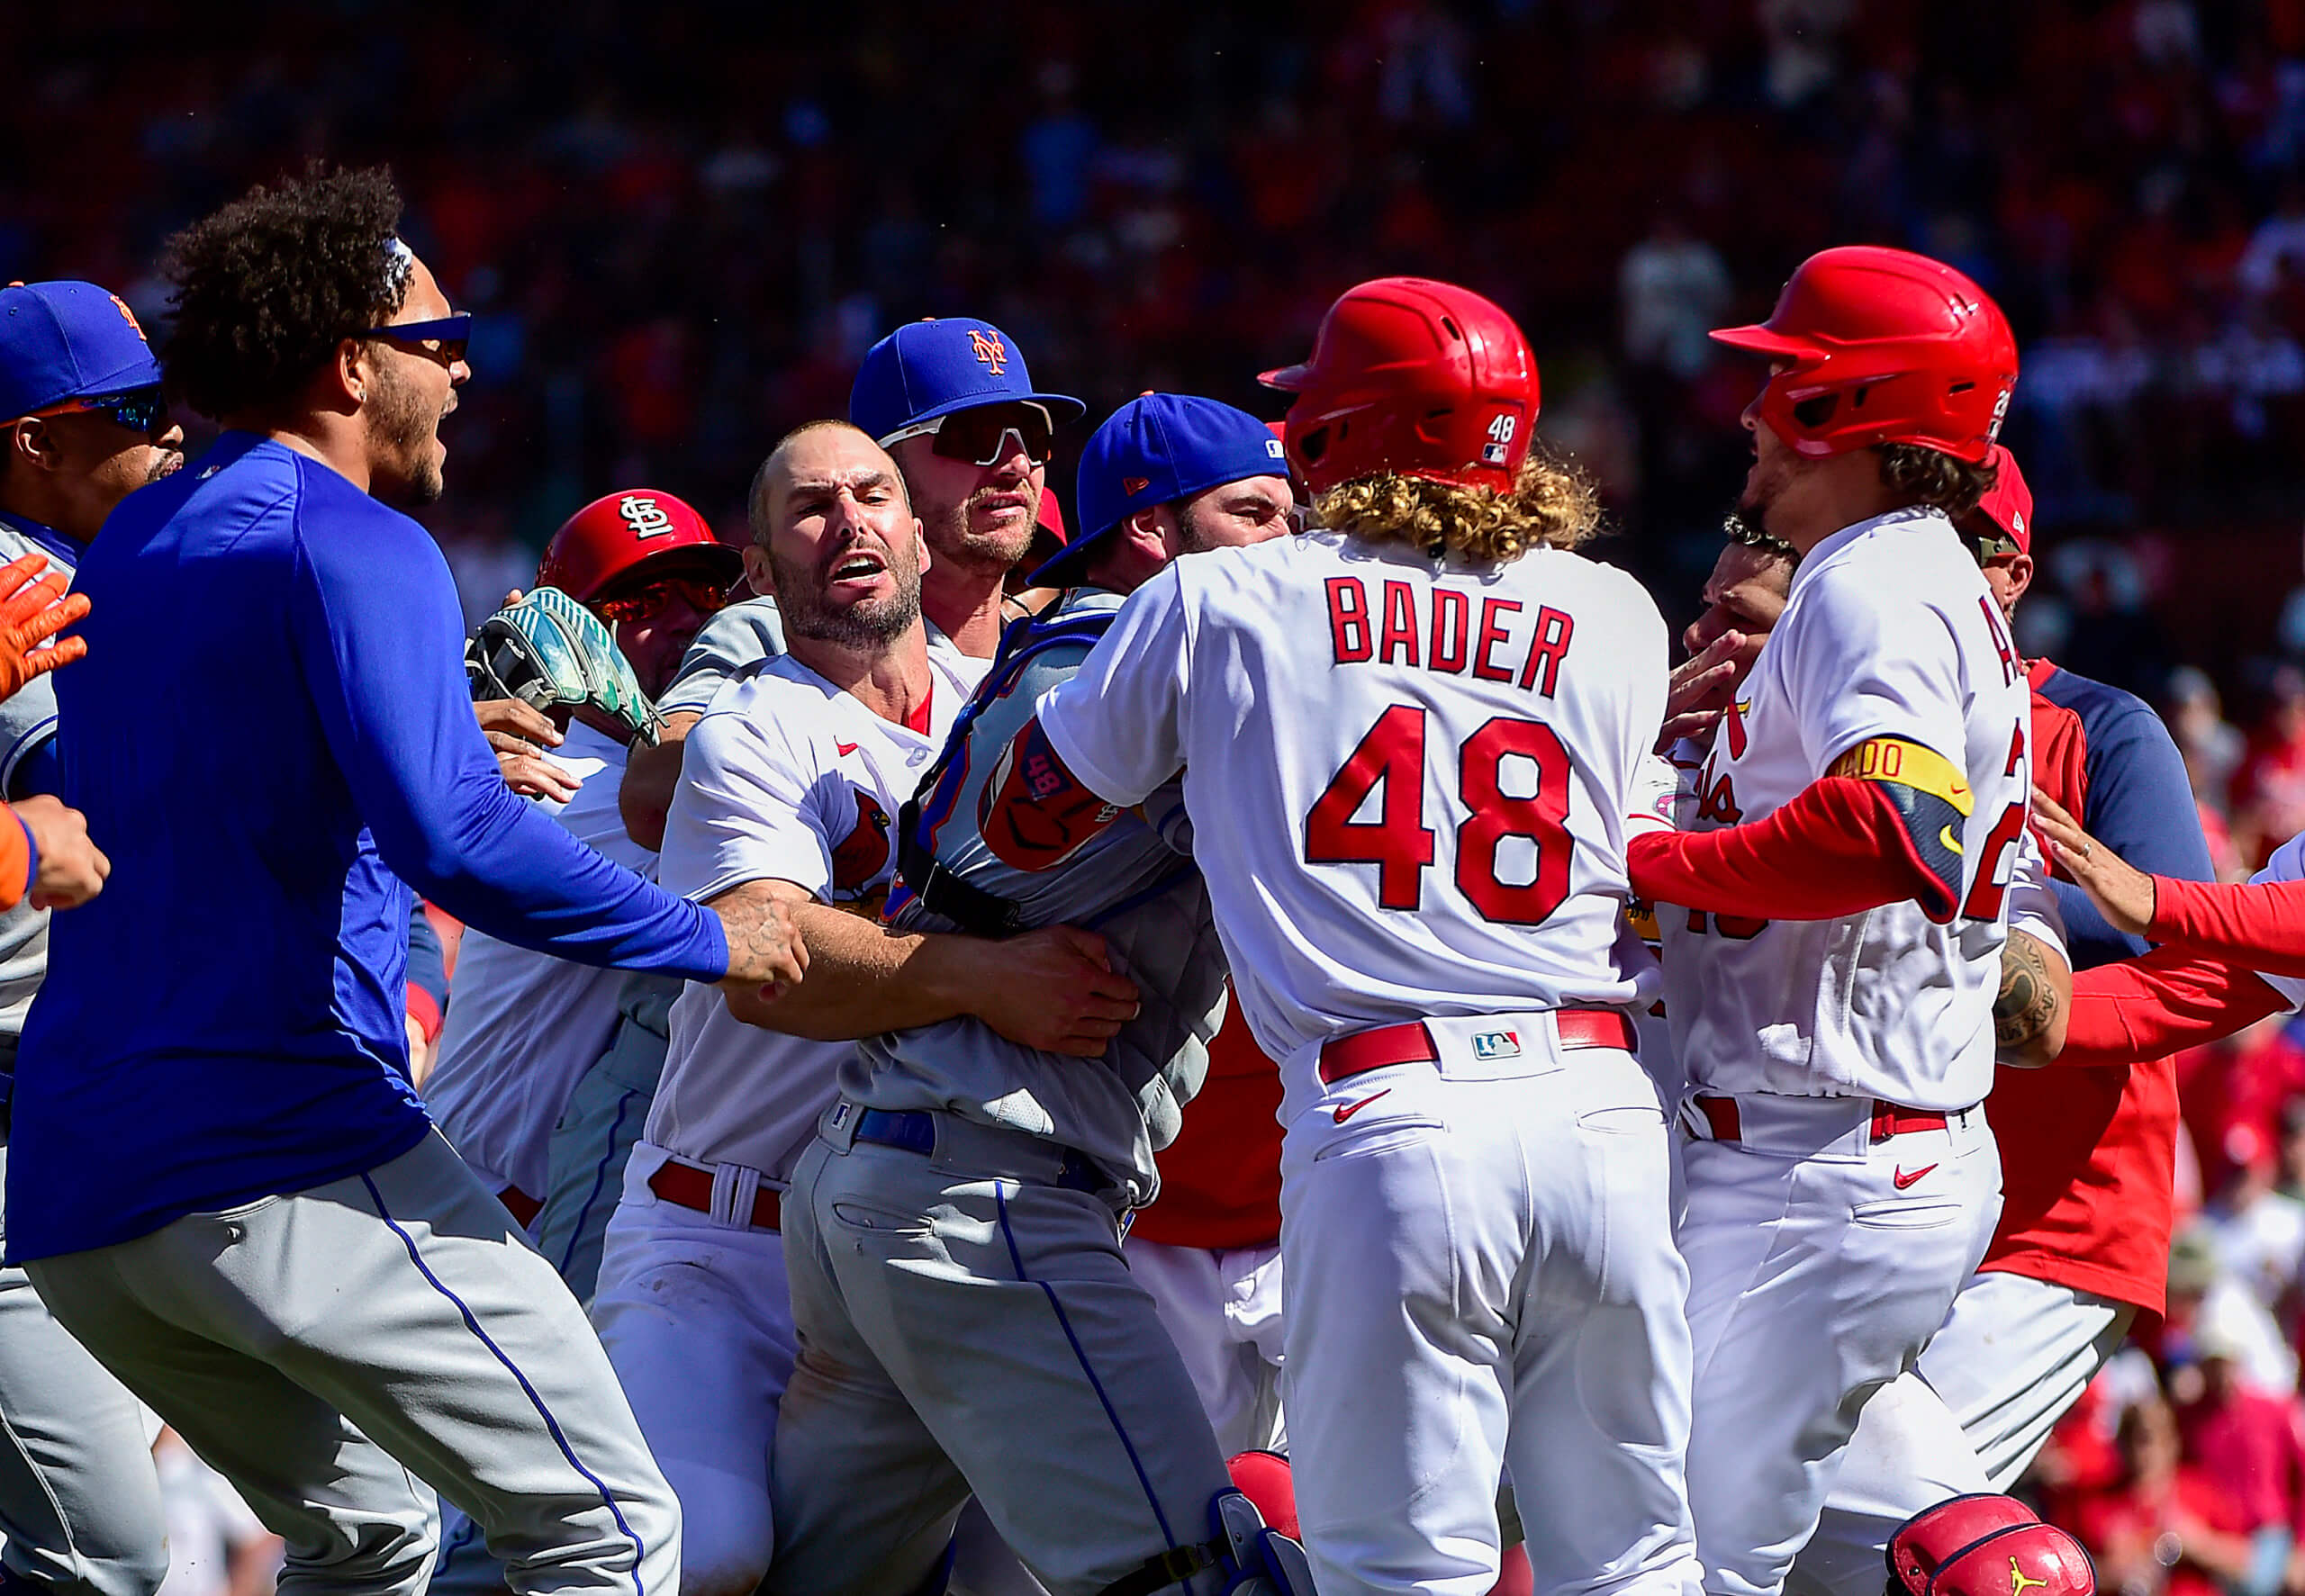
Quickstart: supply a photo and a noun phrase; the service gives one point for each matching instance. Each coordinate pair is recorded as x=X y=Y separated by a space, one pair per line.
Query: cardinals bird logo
x=863 y=854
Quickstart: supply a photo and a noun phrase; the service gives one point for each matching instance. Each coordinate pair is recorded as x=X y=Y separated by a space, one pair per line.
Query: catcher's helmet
x=1414 y=376
x=1882 y=345
x=1986 y=1546
x=621 y=532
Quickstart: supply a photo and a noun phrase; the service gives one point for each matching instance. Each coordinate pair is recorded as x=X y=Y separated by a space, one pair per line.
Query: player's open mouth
x=1003 y=504
x=857 y=567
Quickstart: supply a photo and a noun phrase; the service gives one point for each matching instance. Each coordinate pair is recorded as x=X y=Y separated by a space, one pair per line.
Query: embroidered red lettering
x=1399 y=638
x=1493 y=612
x=1451 y=613
x=1554 y=629
x=1348 y=620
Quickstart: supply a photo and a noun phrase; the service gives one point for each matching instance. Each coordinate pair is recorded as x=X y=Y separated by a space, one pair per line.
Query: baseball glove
x=551 y=653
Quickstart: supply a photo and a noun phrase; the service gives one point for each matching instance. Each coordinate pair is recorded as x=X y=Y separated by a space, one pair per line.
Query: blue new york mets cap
x=928 y=369
x=1156 y=449
x=67 y=341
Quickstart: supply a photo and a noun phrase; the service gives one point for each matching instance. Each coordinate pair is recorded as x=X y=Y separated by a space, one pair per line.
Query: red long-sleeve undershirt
x=1839 y=847
x=2149 y=1007
x=2258 y=926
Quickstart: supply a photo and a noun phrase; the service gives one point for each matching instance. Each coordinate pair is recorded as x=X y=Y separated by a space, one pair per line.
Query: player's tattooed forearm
x=2026 y=1005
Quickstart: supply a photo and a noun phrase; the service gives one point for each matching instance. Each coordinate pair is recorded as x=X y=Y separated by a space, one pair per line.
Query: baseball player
x=1833 y=925
x=954 y=404
x=2089 y=1155
x=1411 y=746
x=81 y=426
x=546 y=1067
x=955 y=1255
x=790 y=791
x=224 y=1189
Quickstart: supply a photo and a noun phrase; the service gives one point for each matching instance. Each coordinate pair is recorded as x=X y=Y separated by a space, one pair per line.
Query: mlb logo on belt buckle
x=1496 y=1044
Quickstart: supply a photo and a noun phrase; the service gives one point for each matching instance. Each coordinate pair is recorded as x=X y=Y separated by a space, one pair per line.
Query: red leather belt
x=692 y=1187
x=1412 y=1044
x=520 y=1205
x=1889 y=1119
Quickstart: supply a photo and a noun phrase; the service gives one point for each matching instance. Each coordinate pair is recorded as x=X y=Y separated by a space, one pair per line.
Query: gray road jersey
x=739 y=636
x=27 y=720
x=1133 y=886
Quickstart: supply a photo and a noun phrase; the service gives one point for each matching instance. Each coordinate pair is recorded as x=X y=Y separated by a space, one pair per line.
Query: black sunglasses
x=452 y=332
x=139 y=409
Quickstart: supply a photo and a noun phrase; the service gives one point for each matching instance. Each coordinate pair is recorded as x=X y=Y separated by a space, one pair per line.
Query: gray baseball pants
x=968 y=1325
x=331 y=1350
x=79 y=1502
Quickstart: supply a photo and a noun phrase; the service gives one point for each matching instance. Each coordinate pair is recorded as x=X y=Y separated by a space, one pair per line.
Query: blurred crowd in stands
x=680 y=226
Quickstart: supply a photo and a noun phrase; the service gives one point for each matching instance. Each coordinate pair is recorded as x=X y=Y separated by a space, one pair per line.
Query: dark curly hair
x=268 y=286
x=1931 y=476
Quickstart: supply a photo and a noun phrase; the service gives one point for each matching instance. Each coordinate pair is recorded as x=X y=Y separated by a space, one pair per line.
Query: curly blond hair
x=1552 y=504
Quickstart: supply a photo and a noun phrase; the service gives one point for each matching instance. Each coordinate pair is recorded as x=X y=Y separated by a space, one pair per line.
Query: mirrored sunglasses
x=452 y=332
x=980 y=435
x=139 y=409
x=646 y=603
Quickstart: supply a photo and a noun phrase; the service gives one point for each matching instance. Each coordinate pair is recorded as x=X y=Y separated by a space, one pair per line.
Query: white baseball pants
x=695 y=1312
x=1478 y=1268
x=2013 y=1357
x=1821 y=1263
x=327 y=1350
x=1221 y=1308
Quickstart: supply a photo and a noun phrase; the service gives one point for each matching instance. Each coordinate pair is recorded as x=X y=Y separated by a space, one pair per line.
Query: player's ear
x=921 y=543
x=347 y=380
x=757 y=570
x=1154 y=530
x=32 y=446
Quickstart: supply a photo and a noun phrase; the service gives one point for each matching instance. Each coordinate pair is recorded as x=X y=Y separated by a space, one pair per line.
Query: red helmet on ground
x=1931 y=1540
x=621 y=532
x=1263 y=1478
x=1882 y=345
x=1414 y=376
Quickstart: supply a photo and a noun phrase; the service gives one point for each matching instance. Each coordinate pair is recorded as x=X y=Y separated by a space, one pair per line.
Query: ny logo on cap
x=127 y=315
x=644 y=515
x=989 y=349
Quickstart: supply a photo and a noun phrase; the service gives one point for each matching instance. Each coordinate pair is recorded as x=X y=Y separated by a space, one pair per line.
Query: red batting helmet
x=623 y=531
x=1882 y=345
x=1413 y=376
x=1986 y=1546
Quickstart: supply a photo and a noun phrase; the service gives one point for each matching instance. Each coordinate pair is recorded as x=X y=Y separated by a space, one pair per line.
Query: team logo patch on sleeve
x=863 y=853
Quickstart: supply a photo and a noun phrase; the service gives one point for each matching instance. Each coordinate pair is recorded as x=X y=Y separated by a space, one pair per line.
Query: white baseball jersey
x=2287 y=864
x=523 y=1026
x=786 y=778
x=1409 y=780
x=1890 y=634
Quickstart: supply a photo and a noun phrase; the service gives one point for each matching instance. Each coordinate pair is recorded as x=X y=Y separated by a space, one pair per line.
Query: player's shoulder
x=2106 y=712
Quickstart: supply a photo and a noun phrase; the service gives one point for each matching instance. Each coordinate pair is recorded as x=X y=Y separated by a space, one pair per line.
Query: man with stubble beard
x=951 y=403
x=790 y=789
x=218 y=1179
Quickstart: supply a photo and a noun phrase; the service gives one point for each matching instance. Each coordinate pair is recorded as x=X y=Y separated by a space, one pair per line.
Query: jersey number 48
x=1401 y=845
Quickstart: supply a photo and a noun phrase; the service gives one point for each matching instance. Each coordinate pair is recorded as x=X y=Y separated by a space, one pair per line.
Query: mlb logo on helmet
x=988 y=347
x=1496 y=1044
x=644 y=515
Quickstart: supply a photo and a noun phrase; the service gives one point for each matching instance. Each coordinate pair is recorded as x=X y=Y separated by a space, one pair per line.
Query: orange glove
x=35 y=609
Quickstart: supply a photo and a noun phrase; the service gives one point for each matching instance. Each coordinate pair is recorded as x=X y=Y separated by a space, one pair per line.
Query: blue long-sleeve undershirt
x=272 y=719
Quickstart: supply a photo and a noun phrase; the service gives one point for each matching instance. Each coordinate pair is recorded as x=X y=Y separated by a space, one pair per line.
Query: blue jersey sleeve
x=2139 y=804
x=375 y=626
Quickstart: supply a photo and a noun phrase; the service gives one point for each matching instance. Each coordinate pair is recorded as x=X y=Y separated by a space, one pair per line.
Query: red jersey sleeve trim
x=424 y=1012
x=1842 y=846
x=2260 y=925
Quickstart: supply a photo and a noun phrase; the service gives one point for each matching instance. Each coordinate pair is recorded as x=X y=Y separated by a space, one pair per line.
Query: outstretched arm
x=2155 y=1005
